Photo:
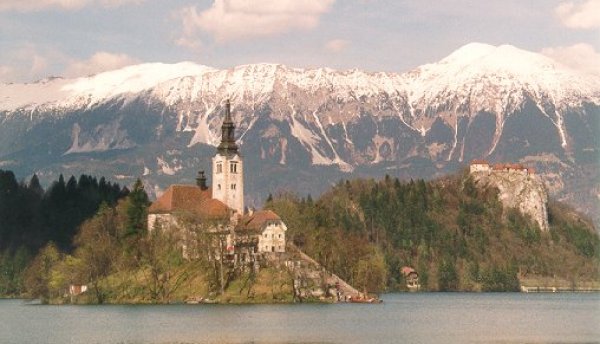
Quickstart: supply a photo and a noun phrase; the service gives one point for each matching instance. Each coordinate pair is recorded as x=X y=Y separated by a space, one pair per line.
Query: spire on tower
x=227 y=145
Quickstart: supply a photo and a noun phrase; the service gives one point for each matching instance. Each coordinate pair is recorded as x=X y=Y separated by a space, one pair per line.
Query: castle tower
x=228 y=167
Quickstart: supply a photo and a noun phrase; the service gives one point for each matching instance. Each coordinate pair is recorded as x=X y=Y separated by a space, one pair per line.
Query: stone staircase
x=311 y=279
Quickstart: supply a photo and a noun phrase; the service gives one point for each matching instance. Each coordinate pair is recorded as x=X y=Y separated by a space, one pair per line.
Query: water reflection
x=409 y=318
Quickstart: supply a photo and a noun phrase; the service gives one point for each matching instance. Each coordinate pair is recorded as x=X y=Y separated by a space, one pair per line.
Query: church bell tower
x=228 y=167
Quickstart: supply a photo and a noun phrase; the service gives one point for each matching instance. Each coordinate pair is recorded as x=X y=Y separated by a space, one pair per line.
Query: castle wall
x=479 y=168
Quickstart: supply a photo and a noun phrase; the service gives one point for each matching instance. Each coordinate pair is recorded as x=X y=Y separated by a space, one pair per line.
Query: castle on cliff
x=519 y=187
x=249 y=234
x=484 y=166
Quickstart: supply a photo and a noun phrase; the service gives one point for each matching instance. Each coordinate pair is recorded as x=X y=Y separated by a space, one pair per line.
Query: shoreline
x=524 y=290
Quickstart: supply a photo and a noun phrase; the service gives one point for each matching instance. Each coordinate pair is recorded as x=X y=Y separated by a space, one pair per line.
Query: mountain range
x=304 y=129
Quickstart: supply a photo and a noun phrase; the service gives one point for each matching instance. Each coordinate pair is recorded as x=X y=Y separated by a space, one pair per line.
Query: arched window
x=219 y=167
x=233 y=167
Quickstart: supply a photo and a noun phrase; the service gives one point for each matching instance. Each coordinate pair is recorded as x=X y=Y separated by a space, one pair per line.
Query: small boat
x=364 y=300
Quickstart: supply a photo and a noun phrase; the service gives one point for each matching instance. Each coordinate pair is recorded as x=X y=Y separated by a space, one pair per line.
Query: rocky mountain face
x=520 y=190
x=304 y=129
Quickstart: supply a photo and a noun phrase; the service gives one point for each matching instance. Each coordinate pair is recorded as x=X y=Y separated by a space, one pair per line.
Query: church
x=249 y=234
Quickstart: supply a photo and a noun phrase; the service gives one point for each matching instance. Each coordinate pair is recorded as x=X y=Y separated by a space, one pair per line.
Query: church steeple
x=228 y=167
x=227 y=145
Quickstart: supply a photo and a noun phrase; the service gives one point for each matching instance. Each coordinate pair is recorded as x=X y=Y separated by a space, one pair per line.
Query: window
x=280 y=236
x=219 y=186
x=233 y=167
x=232 y=186
x=219 y=167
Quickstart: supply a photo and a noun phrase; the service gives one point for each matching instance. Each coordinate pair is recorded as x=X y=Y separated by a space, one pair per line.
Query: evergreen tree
x=137 y=209
x=35 y=186
x=447 y=276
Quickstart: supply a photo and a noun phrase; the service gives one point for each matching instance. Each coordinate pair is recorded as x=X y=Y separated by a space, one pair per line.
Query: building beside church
x=269 y=228
x=248 y=235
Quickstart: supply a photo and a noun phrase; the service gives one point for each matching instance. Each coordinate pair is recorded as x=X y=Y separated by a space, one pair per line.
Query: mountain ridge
x=499 y=103
x=143 y=77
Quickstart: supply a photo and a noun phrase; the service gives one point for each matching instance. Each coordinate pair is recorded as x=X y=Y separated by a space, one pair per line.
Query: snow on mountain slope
x=481 y=76
x=496 y=79
x=85 y=91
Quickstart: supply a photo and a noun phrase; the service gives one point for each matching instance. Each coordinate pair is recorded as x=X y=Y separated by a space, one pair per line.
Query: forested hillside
x=30 y=217
x=455 y=234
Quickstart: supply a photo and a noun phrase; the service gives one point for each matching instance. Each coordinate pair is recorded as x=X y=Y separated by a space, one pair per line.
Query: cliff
x=519 y=189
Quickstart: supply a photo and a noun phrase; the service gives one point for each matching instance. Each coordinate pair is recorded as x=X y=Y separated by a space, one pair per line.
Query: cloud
x=37 y=5
x=230 y=20
x=583 y=15
x=99 y=62
x=29 y=63
x=582 y=57
x=25 y=63
x=7 y=74
x=336 y=45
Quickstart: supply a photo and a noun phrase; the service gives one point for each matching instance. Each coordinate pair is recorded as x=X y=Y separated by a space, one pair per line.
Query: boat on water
x=370 y=300
x=364 y=299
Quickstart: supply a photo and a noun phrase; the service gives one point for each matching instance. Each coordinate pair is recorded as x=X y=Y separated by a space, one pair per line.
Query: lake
x=402 y=318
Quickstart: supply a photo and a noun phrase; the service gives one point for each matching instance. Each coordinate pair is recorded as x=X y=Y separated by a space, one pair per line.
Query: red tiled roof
x=508 y=166
x=256 y=221
x=189 y=198
x=407 y=270
x=479 y=162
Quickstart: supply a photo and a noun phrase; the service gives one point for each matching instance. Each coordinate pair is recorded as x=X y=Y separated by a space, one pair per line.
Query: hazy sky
x=40 y=38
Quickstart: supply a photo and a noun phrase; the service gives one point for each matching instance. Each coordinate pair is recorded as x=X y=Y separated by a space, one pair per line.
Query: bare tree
x=163 y=264
x=97 y=248
x=205 y=243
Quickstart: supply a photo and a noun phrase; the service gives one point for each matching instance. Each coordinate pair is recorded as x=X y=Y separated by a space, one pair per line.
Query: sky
x=72 y=38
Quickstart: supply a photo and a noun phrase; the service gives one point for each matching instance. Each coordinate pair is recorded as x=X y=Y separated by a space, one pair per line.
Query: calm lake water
x=403 y=318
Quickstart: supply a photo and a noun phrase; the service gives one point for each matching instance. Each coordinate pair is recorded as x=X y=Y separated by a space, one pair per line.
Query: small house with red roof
x=411 y=277
x=269 y=228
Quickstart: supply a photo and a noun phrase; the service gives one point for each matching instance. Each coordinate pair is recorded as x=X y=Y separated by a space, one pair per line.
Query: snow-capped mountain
x=161 y=121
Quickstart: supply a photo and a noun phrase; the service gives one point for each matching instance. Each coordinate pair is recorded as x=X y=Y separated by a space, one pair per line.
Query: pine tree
x=137 y=209
x=34 y=185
